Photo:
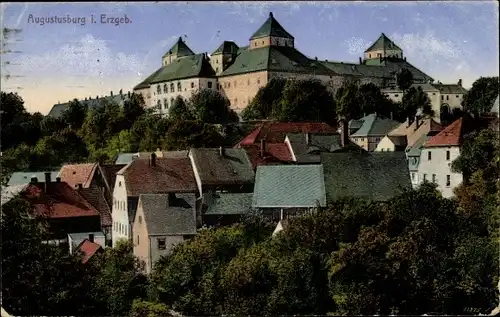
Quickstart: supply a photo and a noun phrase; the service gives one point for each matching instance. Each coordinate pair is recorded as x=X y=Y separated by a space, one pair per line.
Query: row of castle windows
x=165 y=103
x=228 y=84
x=179 y=87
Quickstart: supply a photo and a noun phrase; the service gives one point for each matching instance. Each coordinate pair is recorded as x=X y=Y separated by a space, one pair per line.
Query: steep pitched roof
x=146 y=82
x=227 y=203
x=227 y=47
x=450 y=88
x=383 y=42
x=75 y=174
x=183 y=68
x=289 y=186
x=271 y=28
x=96 y=198
x=306 y=147
x=166 y=215
x=400 y=141
x=450 y=136
x=274 y=153
x=375 y=125
x=109 y=171
x=180 y=49
x=59 y=201
x=413 y=132
x=20 y=178
x=231 y=168
x=375 y=176
x=88 y=249
x=275 y=132
x=169 y=175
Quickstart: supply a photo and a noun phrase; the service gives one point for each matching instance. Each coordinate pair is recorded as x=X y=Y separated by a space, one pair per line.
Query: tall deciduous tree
x=133 y=108
x=266 y=100
x=404 y=80
x=347 y=103
x=210 y=106
x=180 y=111
x=415 y=100
x=74 y=115
x=479 y=99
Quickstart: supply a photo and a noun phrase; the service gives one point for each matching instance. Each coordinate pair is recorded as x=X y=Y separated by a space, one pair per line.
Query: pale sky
x=58 y=62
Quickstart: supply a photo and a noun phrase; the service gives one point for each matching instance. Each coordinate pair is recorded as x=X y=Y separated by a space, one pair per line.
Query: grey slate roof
x=375 y=176
x=309 y=152
x=180 y=49
x=183 y=68
x=383 y=42
x=283 y=186
x=94 y=103
x=10 y=192
x=19 y=178
x=375 y=125
x=164 y=217
x=271 y=28
x=228 y=203
x=227 y=47
x=232 y=168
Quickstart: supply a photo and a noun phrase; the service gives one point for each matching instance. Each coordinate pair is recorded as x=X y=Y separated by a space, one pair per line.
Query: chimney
x=111 y=93
x=262 y=147
x=34 y=180
x=91 y=237
x=152 y=160
x=344 y=133
x=460 y=82
x=221 y=151
x=171 y=199
x=360 y=61
x=79 y=186
x=58 y=179
x=47 y=181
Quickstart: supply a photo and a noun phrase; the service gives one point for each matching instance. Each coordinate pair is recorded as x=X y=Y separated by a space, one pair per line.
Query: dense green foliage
x=479 y=99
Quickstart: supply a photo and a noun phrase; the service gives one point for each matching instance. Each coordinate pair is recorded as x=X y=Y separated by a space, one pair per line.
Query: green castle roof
x=271 y=28
x=180 y=49
x=227 y=47
x=383 y=42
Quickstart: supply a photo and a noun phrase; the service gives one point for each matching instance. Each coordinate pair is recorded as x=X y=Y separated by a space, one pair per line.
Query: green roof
x=228 y=203
x=374 y=125
x=271 y=28
x=145 y=83
x=289 y=186
x=274 y=58
x=180 y=49
x=374 y=176
x=413 y=153
x=383 y=42
x=227 y=47
x=450 y=89
x=182 y=68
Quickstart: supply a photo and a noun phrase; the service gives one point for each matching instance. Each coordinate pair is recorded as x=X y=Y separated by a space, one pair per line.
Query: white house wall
x=120 y=228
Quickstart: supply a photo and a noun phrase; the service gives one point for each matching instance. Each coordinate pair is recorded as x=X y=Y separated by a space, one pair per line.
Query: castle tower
x=271 y=33
x=179 y=50
x=382 y=48
x=224 y=56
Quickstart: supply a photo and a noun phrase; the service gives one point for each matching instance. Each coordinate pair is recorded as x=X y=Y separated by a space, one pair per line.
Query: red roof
x=78 y=174
x=449 y=136
x=60 y=201
x=169 y=175
x=275 y=132
x=88 y=249
x=275 y=153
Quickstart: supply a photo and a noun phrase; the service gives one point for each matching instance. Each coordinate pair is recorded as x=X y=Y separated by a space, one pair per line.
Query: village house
x=87 y=248
x=376 y=176
x=65 y=209
x=413 y=156
x=369 y=130
x=162 y=221
x=239 y=71
x=153 y=176
x=282 y=191
x=76 y=239
x=222 y=209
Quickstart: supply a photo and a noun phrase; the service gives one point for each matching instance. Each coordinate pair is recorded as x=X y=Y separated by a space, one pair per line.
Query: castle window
x=447 y=97
x=442 y=97
x=229 y=85
x=456 y=96
x=172 y=89
x=248 y=82
x=192 y=85
x=217 y=69
x=234 y=84
x=158 y=104
x=165 y=103
x=433 y=93
x=216 y=61
x=236 y=100
x=396 y=95
x=158 y=89
x=369 y=55
x=179 y=86
x=165 y=88
x=258 y=81
x=171 y=101
x=209 y=85
x=262 y=42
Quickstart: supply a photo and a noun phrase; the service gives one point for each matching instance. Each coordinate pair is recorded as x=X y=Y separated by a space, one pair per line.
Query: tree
x=14 y=117
x=305 y=100
x=347 y=103
x=63 y=147
x=142 y=308
x=133 y=108
x=266 y=100
x=404 y=80
x=479 y=99
x=74 y=115
x=180 y=111
x=416 y=99
x=119 y=143
x=209 y=106
x=372 y=100
x=183 y=135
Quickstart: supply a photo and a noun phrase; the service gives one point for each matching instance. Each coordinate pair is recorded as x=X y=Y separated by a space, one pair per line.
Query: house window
x=119 y=184
x=140 y=219
x=433 y=178
x=442 y=97
x=172 y=89
x=429 y=156
x=377 y=139
x=165 y=88
x=217 y=61
x=383 y=149
x=158 y=89
x=433 y=93
x=425 y=177
x=179 y=86
x=137 y=239
x=217 y=69
x=161 y=243
x=447 y=155
x=209 y=85
x=413 y=177
x=225 y=85
x=236 y=100
x=192 y=85
x=456 y=96
x=448 y=180
x=369 y=55
x=258 y=81
x=447 y=97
